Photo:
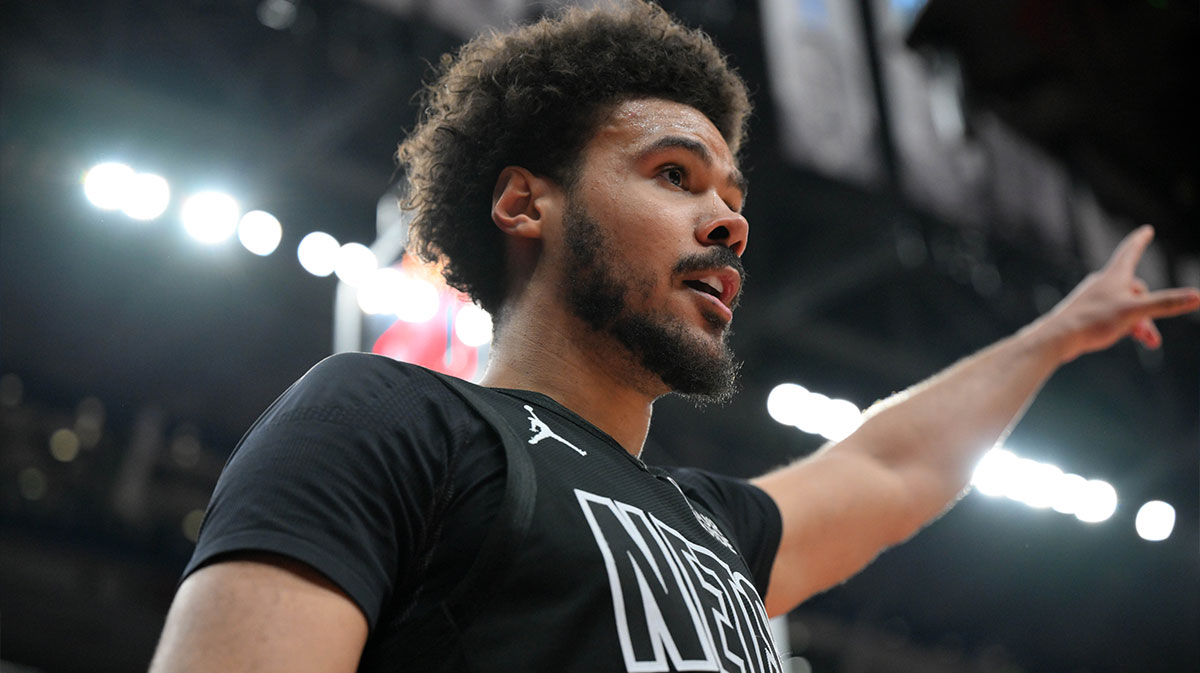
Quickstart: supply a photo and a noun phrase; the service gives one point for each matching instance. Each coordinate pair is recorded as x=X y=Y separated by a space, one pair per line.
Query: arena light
x=473 y=326
x=317 y=253
x=277 y=14
x=210 y=217
x=1002 y=473
x=783 y=401
x=814 y=413
x=391 y=291
x=1155 y=521
x=259 y=232
x=354 y=264
x=146 y=196
x=64 y=445
x=417 y=300
x=1098 y=502
x=1069 y=493
x=379 y=294
x=1034 y=484
x=106 y=185
x=995 y=472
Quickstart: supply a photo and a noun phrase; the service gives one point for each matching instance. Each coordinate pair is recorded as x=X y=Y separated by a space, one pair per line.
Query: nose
x=730 y=230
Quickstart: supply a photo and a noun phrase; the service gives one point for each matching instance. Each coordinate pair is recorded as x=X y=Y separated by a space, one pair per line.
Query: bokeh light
x=1002 y=472
x=146 y=197
x=417 y=301
x=783 y=401
x=1155 y=521
x=1098 y=502
x=259 y=232
x=354 y=264
x=31 y=483
x=190 y=525
x=106 y=185
x=1069 y=494
x=377 y=296
x=64 y=445
x=814 y=413
x=473 y=326
x=210 y=217
x=317 y=253
x=12 y=390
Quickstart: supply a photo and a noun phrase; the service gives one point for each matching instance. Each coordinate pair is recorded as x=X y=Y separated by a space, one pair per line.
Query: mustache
x=714 y=258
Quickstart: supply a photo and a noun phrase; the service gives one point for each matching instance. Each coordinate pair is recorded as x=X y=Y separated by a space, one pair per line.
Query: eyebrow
x=735 y=178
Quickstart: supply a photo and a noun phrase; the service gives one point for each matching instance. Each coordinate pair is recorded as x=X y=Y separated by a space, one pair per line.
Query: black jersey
x=380 y=476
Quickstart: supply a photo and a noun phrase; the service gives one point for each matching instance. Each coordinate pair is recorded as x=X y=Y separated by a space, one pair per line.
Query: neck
x=550 y=351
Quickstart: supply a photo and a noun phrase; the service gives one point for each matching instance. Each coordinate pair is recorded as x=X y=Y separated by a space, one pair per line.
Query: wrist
x=1046 y=338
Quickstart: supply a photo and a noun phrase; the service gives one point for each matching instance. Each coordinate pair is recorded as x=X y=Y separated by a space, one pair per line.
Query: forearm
x=932 y=435
x=914 y=453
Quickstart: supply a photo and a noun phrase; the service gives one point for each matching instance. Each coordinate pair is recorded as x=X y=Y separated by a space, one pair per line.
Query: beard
x=599 y=288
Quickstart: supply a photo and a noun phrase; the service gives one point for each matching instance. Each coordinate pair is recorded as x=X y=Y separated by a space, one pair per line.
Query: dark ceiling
x=856 y=290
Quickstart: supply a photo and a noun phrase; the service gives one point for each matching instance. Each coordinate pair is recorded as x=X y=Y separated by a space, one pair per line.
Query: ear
x=522 y=202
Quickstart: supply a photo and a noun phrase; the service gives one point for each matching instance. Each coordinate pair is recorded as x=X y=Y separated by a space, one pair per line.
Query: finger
x=1139 y=286
x=1167 y=303
x=1147 y=334
x=1129 y=252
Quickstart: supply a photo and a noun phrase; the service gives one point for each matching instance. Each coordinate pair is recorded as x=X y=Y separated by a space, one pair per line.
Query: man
x=579 y=178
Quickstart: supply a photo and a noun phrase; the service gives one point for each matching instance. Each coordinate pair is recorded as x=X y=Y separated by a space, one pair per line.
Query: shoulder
x=338 y=374
x=736 y=502
x=749 y=515
x=716 y=491
x=363 y=388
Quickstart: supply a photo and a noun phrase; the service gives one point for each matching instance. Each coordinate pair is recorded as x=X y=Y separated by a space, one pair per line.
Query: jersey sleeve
x=747 y=512
x=343 y=472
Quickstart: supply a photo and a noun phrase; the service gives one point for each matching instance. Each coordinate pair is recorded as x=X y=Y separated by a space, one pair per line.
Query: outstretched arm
x=914 y=453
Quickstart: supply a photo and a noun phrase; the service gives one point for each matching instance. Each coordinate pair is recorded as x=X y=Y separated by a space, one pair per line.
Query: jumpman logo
x=543 y=431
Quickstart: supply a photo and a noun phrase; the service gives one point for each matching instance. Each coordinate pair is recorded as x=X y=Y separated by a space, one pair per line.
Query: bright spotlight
x=259 y=232
x=107 y=184
x=354 y=264
x=147 y=196
x=1097 y=503
x=210 y=217
x=317 y=253
x=473 y=325
x=379 y=294
x=417 y=301
x=994 y=472
x=783 y=401
x=1068 y=493
x=810 y=414
x=842 y=417
x=1155 y=521
x=1043 y=485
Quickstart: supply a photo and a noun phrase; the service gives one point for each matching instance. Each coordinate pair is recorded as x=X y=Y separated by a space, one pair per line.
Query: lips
x=722 y=283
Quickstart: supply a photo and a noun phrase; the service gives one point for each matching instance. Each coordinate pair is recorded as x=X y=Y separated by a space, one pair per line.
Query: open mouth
x=710 y=285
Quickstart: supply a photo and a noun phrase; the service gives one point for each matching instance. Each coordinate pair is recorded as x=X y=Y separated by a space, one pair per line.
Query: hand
x=1113 y=302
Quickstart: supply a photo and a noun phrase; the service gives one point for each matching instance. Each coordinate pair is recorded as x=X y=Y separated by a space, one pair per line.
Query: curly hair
x=533 y=97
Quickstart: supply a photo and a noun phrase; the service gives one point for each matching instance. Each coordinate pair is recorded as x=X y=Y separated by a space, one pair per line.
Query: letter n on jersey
x=677 y=605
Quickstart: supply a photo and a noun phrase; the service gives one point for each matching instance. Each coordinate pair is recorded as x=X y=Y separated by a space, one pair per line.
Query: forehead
x=637 y=123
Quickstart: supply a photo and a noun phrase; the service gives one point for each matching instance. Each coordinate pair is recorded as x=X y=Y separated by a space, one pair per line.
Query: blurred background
x=197 y=203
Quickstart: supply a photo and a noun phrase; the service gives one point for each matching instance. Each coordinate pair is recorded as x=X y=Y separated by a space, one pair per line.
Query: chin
x=693 y=361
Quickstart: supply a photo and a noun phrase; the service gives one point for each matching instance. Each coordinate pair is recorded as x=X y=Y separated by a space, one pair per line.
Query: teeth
x=715 y=283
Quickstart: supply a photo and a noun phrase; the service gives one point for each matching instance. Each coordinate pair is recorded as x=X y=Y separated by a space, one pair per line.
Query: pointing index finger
x=1129 y=252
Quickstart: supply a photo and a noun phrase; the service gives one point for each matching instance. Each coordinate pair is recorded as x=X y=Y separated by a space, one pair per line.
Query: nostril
x=718 y=234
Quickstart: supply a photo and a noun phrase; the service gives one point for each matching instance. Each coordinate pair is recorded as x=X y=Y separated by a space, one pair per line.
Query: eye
x=675 y=175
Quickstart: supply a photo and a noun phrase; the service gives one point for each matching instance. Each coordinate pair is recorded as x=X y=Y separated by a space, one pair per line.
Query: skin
x=669 y=202
x=657 y=202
